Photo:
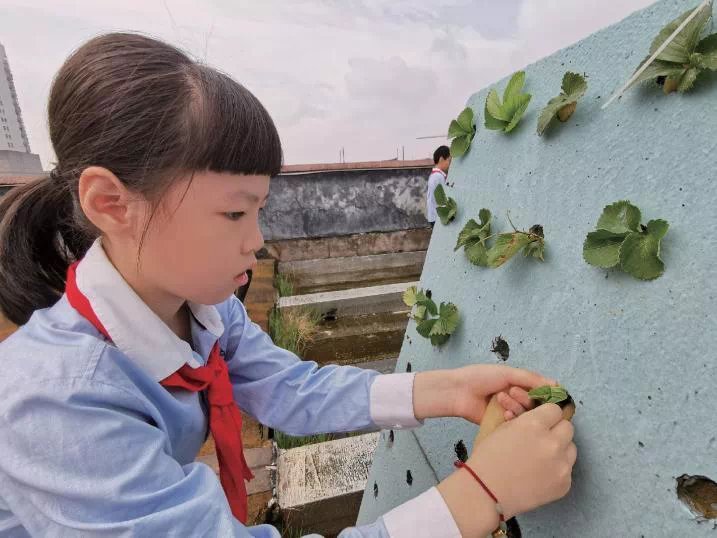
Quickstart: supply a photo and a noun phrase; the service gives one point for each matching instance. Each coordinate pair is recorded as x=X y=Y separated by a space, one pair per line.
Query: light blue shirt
x=92 y=445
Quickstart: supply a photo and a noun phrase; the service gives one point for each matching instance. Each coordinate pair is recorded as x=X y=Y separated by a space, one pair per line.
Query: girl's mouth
x=242 y=279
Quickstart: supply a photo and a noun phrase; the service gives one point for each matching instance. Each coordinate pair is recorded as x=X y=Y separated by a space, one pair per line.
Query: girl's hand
x=465 y=392
x=526 y=463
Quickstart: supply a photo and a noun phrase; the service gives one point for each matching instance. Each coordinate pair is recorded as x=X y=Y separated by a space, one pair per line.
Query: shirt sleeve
x=84 y=458
x=89 y=460
x=299 y=398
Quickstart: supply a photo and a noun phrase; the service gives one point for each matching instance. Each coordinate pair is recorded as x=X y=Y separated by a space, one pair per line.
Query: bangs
x=229 y=130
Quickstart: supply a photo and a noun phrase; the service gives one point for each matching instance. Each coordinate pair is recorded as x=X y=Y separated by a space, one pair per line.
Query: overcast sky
x=368 y=75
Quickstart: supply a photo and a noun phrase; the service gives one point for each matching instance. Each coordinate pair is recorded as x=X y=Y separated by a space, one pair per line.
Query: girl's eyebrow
x=250 y=196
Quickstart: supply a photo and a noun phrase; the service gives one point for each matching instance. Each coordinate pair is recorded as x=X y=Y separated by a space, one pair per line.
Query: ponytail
x=38 y=241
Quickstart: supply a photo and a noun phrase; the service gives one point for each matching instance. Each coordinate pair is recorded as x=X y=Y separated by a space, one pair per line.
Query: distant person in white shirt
x=442 y=160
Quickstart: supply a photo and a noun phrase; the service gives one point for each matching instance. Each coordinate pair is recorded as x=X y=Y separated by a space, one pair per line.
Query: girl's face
x=204 y=236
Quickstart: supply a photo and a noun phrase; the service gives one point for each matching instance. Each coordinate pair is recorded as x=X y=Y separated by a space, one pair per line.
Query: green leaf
x=470 y=231
x=447 y=212
x=640 y=251
x=440 y=195
x=515 y=85
x=462 y=130
x=494 y=108
x=474 y=236
x=429 y=304
x=548 y=394
x=707 y=48
x=506 y=115
x=620 y=217
x=447 y=320
x=424 y=327
x=684 y=43
x=420 y=314
x=518 y=105
x=477 y=254
x=485 y=218
x=574 y=87
x=465 y=120
x=454 y=130
x=409 y=296
x=602 y=248
x=439 y=339
x=506 y=246
x=494 y=124
x=460 y=145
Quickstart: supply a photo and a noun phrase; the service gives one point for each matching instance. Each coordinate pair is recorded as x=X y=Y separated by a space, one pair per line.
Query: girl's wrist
x=434 y=394
x=472 y=509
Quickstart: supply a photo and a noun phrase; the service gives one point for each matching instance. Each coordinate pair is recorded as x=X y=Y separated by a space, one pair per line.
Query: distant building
x=15 y=155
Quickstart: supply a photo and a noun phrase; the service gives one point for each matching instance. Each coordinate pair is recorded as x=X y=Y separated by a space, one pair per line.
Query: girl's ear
x=108 y=204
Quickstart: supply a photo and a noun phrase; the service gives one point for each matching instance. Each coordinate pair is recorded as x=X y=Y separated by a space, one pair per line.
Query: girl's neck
x=170 y=309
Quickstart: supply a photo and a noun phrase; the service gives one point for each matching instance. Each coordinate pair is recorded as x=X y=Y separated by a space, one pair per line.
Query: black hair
x=147 y=112
x=441 y=152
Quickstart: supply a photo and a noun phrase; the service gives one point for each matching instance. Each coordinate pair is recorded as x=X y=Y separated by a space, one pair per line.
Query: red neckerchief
x=224 y=415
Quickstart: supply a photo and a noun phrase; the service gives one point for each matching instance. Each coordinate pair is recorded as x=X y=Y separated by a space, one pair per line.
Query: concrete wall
x=345 y=202
x=637 y=356
x=18 y=163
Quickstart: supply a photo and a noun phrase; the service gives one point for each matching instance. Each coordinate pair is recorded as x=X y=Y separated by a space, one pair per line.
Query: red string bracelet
x=462 y=465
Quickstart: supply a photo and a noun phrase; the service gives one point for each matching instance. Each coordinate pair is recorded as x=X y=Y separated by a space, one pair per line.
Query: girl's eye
x=234 y=215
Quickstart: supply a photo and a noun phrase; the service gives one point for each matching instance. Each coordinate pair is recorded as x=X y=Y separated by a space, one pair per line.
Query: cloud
x=369 y=75
x=390 y=81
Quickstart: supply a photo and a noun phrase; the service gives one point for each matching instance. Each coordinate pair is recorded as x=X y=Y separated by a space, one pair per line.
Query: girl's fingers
x=527 y=379
x=508 y=415
x=564 y=432
x=521 y=396
x=509 y=404
x=572 y=453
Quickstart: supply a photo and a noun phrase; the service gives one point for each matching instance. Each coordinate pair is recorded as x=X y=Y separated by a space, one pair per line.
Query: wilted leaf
x=409 y=296
x=640 y=251
x=420 y=314
x=574 y=87
x=707 y=49
x=684 y=43
x=535 y=249
x=684 y=56
x=506 y=246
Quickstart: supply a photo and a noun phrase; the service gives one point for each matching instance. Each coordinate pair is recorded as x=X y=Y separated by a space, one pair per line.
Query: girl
x=139 y=349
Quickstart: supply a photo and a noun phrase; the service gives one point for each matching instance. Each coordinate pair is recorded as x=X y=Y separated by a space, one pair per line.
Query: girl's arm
x=86 y=458
x=299 y=398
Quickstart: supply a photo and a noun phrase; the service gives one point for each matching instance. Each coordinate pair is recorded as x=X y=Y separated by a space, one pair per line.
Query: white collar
x=439 y=171
x=134 y=328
